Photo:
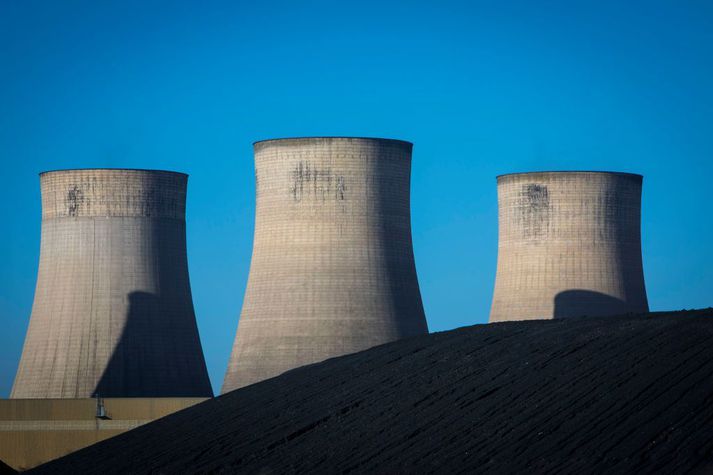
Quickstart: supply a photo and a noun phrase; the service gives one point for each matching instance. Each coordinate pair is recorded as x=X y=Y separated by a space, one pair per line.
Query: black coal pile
x=630 y=394
x=6 y=469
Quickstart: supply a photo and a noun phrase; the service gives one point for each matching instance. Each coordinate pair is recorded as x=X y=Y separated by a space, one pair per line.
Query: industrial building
x=113 y=314
x=35 y=431
x=332 y=268
x=569 y=245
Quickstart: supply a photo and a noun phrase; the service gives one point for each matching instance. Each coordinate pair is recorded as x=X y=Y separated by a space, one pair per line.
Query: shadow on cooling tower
x=147 y=360
x=133 y=366
x=579 y=303
x=399 y=266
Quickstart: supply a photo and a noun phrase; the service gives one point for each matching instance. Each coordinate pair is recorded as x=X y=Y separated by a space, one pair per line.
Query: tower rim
x=332 y=137
x=556 y=172
x=147 y=170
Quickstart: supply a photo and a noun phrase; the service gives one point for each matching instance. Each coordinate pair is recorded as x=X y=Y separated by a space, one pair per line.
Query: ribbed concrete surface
x=113 y=312
x=569 y=245
x=332 y=269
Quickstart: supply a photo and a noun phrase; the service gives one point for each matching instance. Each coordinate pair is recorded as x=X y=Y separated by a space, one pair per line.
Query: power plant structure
x=332 y=268
x=569 y=245
x=113 y=313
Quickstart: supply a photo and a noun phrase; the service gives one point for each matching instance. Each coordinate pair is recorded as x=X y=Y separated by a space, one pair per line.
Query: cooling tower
x=332 y=269
x=569 y=245
x=113 y=313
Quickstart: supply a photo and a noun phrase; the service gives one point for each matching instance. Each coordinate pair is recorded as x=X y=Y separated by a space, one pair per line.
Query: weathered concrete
x=113 y=313
x=569 y=245
x=35 y=431
x=332 y=269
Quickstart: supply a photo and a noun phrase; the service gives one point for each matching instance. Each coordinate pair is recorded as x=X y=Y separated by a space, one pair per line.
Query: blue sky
x=481 y=88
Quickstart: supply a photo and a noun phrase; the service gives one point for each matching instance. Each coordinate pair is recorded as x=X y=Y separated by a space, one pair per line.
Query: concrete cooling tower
x=113 y=313
x=332 y=269
x=569 y=245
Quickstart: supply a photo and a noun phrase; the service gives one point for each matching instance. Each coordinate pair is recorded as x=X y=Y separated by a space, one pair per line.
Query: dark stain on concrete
x=319 y=183
x=341 y=188
x=534 y=209
x=75 y=197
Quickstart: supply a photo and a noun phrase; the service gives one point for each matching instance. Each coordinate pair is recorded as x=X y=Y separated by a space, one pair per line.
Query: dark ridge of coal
x=5 y=469
x=627 y=394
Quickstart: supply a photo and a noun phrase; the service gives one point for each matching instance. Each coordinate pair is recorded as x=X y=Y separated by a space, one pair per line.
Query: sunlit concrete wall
x=113 y=313
x=569 y=245
x=35 y=431
x=332 y=269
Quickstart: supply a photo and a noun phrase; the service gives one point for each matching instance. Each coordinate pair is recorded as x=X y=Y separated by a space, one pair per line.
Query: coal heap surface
x=579 y=395
x=6 y=469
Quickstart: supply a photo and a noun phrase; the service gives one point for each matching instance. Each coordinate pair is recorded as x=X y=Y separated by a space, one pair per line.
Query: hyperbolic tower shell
x=113 y=313
x=332 y=269
x=569 y=245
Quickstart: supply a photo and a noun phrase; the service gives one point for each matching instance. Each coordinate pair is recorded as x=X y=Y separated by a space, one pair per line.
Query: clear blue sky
x=481 y=88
